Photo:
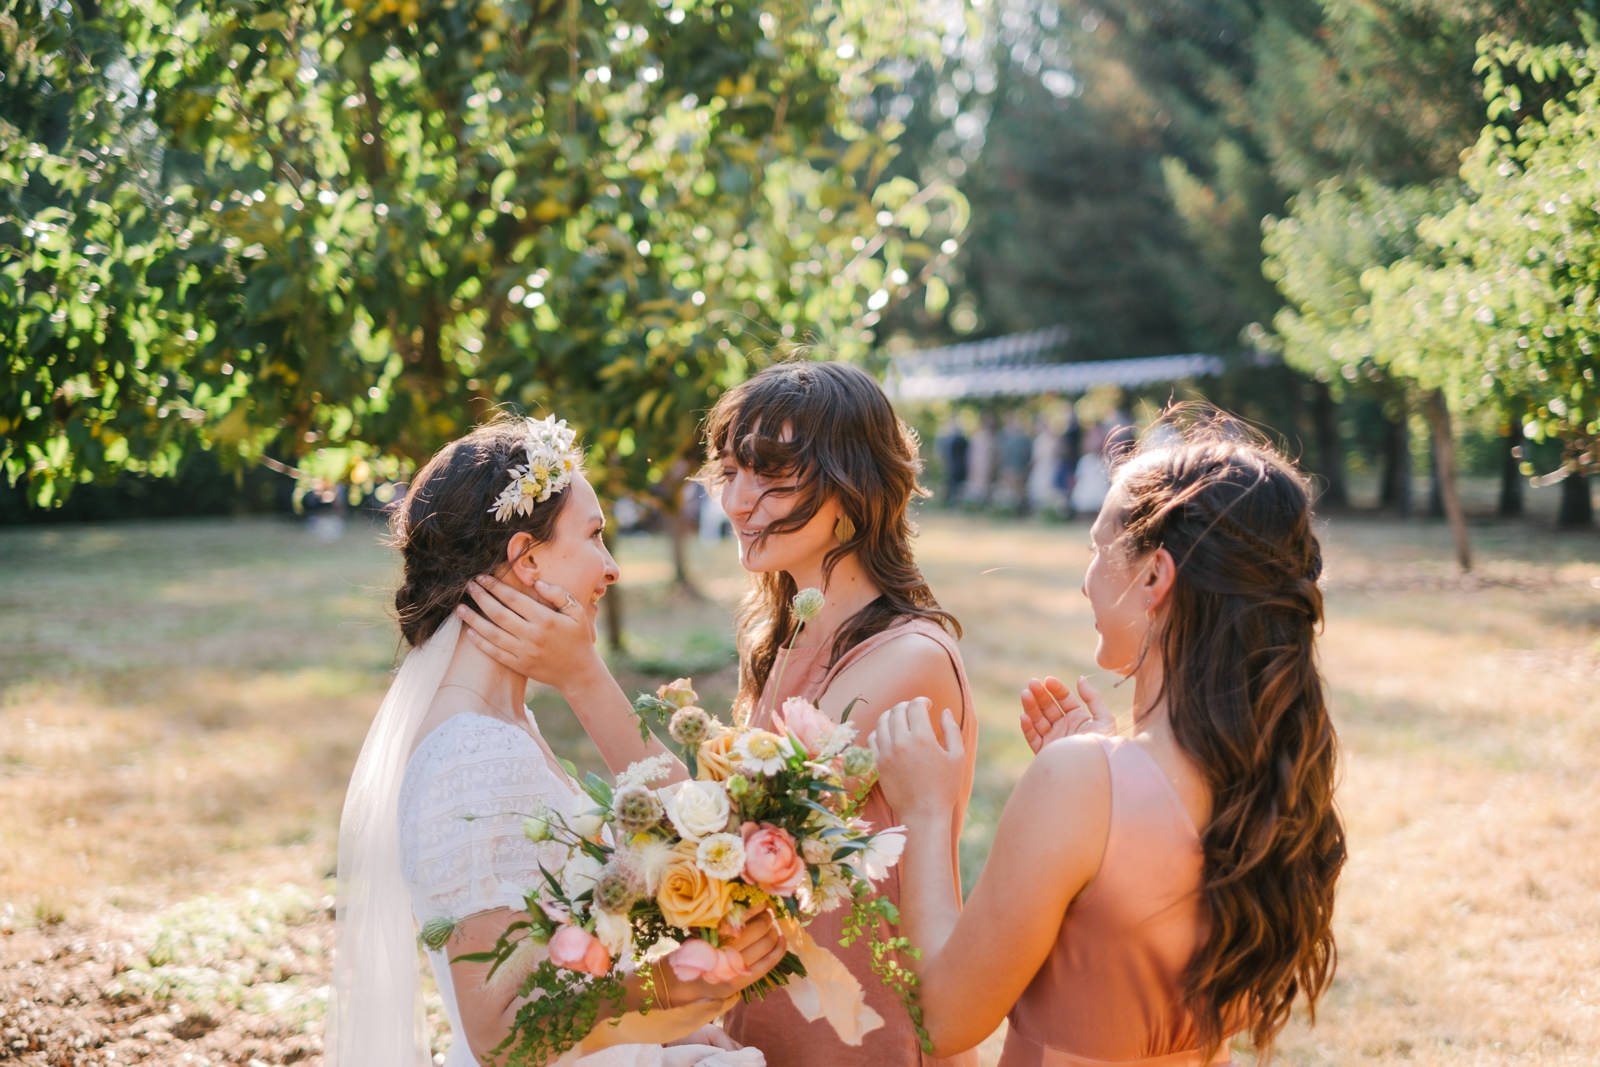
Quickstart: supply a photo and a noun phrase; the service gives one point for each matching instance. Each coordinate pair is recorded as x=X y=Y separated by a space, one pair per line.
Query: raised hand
x=539 y=637
x=917 y=774
x=1050 y=710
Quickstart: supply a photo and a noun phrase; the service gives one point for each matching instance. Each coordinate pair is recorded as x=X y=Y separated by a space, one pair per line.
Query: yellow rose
x=717 y=762
x=689 y=896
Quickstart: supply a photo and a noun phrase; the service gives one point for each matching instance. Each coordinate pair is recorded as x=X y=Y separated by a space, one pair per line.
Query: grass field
x=180 y=704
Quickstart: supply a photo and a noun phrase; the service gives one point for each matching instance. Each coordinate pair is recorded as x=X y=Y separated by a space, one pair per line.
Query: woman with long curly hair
x=1148 y=897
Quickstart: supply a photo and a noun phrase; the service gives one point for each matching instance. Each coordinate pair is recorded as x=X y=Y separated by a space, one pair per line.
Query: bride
x=432 y=823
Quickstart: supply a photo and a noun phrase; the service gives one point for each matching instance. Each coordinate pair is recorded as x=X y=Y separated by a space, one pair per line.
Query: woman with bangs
x=817 y=475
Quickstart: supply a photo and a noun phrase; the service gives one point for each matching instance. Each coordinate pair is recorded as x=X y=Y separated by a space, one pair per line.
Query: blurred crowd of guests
x=1029 y=464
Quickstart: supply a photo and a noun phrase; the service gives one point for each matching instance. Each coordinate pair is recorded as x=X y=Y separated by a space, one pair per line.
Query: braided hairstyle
x=445 y=529
x=1246 y=704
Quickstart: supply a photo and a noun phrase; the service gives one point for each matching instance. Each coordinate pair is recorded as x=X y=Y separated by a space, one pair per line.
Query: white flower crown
x=552 y=461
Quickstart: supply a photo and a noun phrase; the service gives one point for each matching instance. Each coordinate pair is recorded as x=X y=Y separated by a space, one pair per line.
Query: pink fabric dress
x=772 y=1024
x=1110 y=990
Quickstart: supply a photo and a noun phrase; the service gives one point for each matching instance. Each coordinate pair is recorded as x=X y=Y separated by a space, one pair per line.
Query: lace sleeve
x=466 y=791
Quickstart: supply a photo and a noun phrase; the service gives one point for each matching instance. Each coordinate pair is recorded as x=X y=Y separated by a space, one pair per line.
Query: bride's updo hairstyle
x=1247 y=705
x=445 y=528
x=828 y=428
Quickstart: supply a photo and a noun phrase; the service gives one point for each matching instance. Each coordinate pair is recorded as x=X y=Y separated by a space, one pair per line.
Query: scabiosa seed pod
x=617 y=888
x=690 y=725
x=637 y=808
x=806 y=604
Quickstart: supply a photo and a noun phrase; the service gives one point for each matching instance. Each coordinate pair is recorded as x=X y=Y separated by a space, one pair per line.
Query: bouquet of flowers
x=766 y=819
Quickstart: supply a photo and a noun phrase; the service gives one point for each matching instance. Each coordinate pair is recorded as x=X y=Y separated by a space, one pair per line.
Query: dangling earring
x=844 y=529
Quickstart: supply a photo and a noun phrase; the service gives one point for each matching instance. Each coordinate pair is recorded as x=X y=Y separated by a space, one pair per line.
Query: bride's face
x=576 y=557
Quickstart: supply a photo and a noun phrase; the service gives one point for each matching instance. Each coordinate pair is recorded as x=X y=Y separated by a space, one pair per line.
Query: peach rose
x=576 y=949
x=689 y=896
x=770 y=860
x=697 y=958
x=805 y=721
x=717 y=761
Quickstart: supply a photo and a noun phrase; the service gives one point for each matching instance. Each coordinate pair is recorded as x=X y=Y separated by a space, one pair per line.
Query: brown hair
x=1246 y=704
x=845 y=443
x=445 y=529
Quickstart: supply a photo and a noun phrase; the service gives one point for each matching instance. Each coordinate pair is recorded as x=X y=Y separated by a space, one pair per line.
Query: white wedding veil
x=373 y=1016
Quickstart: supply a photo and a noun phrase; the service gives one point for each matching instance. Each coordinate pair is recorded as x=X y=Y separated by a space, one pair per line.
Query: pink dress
x=772 y=1024
x=1110 y=991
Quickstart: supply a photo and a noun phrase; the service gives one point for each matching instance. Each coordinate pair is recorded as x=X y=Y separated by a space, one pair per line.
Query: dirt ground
x=61 y=1005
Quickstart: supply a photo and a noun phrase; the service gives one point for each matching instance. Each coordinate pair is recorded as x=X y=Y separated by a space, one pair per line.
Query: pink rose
x=770 y=859
x=577 y=949
x=697 y=958
x=804 y=720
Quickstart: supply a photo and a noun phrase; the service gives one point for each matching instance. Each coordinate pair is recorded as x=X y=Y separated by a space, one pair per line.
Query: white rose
x=697 y=808
x=580 y=874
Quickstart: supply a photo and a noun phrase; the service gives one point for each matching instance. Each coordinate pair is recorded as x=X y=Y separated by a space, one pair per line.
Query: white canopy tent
x=1013 y=366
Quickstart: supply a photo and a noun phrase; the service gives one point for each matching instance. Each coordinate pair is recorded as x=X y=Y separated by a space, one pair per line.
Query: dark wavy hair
x=445 y=529
x=1247 y=705
x=844 y=442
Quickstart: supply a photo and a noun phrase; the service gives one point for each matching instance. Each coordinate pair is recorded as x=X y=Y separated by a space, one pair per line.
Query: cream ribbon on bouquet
x=828 y=991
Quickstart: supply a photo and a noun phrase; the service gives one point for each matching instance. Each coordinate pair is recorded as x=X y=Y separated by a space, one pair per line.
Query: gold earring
x=844 y=529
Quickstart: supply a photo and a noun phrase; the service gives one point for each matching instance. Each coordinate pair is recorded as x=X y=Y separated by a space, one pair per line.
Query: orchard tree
x=1499 y=306
x=336 y=235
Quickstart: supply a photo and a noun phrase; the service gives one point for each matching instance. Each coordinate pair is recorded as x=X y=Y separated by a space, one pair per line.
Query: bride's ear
x=519 y=558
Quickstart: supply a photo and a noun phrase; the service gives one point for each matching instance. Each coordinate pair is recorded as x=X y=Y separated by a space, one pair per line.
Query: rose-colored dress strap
x=772 y=1024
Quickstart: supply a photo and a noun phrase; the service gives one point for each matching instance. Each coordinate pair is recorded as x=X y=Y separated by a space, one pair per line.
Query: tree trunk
x=673 y=503
x=1577 y=509
x=1511 y=478
x=1394 y=491
x=1330 y=457
x=1435 y=482
x=1444 y=456
x=678 y=526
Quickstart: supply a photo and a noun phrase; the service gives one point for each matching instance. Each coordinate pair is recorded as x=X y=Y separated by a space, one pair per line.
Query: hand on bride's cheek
x=575 y=558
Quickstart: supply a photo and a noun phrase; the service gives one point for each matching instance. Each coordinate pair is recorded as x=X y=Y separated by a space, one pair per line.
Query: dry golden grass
x=181 y=703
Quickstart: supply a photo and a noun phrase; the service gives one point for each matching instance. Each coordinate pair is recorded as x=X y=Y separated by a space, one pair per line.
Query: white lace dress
x=455 y=866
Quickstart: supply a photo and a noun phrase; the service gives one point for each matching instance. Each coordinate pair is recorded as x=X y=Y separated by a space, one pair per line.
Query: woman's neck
x=1149 y=697
x=845 y=592
x=499 y=691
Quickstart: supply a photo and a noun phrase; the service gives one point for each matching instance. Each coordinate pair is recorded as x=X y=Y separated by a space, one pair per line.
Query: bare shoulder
x=910 y=650
x=904 y=667
x=1074 y=768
